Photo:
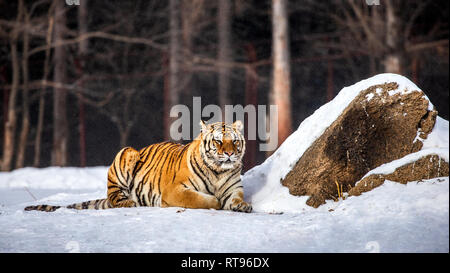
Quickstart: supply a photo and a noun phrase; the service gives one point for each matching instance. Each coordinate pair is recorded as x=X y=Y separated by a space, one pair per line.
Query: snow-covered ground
x=391 y=218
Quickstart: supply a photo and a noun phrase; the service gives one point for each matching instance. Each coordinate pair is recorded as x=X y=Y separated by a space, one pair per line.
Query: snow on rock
x=262 y=185
x=410 y=158
x=438 y=138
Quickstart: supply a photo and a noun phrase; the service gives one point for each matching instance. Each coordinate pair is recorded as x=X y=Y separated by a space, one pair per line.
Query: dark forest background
x=79 y=82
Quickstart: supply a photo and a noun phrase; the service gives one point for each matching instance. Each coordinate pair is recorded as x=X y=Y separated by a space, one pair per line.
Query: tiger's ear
x=203 y=128
x=237 y=125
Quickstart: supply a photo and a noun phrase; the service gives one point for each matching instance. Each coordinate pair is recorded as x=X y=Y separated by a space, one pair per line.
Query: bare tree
x=281 y=86
x=46 y=69
x=81 y=63
x=60 y=124
x=174 y=61
x=22 y=145
x=383 y=33
x=11 y=118
x=394 y=61
x=128 y=72
x=224 y=50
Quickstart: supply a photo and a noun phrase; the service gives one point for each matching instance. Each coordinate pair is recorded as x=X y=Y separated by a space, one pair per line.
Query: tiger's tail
x=92 y=204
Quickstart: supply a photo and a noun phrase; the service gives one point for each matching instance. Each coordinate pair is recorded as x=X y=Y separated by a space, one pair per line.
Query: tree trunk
x=187 y=29
x=82 y=53
x=166 y=95
x=224 y=50
x=330 y=80
x=175 y=51
x=378 y=26
x=415 y=66
x=82 y=129
x=10 y=124
x=175 y=57
x=394 y=60
x=40 y=125
x=124 y=133
x=60 y=126
x=251 y=98
x=281 y=87
x=39 y=129
x=22 y=146
x=4 y=81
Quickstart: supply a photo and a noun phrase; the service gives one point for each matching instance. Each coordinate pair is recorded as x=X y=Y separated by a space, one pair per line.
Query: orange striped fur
x=202 y=174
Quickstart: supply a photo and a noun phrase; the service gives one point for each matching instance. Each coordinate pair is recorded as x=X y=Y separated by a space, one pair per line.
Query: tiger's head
x=222 y=145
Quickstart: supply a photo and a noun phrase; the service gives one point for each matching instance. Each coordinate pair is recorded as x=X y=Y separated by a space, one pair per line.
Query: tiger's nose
x=228 y=153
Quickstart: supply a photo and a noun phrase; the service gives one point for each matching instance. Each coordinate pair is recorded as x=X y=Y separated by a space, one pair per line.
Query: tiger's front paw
x=240 y=205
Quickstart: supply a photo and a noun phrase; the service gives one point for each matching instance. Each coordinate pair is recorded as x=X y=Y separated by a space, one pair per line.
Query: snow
x=383 y=220
x=391 y=218
x=370 y=96
x=438 y=136
x=61 y=178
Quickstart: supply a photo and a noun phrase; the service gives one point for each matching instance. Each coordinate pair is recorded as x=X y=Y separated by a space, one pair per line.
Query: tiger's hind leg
x=120 y=175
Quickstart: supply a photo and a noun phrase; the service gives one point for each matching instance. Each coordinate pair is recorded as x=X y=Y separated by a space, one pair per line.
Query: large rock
x=380 y=125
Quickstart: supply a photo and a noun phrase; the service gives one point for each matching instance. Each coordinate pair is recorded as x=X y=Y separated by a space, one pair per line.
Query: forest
x=81 y=79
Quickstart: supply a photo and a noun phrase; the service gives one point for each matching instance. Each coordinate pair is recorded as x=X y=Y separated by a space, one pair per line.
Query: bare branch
x=367 y=30
x=427 y=45
x=413 y=17
x=103 y=35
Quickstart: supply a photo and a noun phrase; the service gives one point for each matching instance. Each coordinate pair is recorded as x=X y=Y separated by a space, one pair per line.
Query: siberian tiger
x=204 y=173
